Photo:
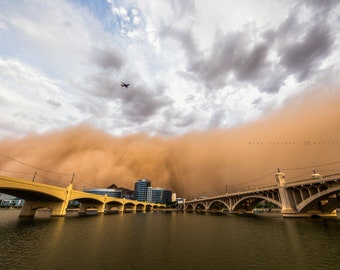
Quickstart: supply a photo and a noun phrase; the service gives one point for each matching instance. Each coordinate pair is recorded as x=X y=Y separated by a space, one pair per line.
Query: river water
x=160 y=240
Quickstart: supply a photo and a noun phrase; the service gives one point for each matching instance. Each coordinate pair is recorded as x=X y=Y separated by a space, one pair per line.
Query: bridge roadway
x=318 y=195
x=38 y=195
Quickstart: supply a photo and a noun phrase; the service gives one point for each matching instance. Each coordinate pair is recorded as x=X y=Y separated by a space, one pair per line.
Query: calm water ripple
x=168 y=241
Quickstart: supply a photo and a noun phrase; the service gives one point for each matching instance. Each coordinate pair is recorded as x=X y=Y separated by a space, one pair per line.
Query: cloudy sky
x=192 y=65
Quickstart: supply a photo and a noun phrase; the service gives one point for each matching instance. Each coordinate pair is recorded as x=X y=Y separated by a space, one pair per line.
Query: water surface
x=173 y=241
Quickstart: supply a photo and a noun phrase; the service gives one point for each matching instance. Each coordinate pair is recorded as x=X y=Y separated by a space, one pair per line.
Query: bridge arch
x=148 y=207
x=113 y=206
x=140 y=206
x=86 y=204
x=217 y=205
x=200 y=206
x=248 y=203
x=325 y=201
x=189 y=207
x=30 y=194
x=129 y=206
x=88 y=200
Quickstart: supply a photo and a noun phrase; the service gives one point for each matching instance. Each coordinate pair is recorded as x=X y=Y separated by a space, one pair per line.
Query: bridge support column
x=65 y=203
x=30 y=207
x=27 y=210
x=58 y=209
x=288 y=204
x=133 y=208
x=107 y=208
x=100 y=209
x=82 y=208
x=121 y=208
x=91 y=207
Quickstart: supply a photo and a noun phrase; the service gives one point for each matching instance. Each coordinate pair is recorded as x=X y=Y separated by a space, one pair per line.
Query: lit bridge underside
x=37 y=196
x=318 y=195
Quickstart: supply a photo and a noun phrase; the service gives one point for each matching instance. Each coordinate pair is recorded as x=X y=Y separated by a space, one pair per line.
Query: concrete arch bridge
x=318 y=195
x=38 y=195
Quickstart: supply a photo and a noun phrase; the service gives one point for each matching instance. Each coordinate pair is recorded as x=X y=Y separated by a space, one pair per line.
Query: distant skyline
x=191 y=65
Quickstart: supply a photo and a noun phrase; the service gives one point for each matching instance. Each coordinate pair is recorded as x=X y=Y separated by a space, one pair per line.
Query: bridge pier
x=117 y=208
x=130 y=208
x=27 y=210
x=85 y=206
x=134 y=208
x=288 y=205
x=30 y=207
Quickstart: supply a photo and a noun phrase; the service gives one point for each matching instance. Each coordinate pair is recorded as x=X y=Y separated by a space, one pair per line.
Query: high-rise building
x=174 y=197
x=161 y=195
x=141 y=189
x=149 y=194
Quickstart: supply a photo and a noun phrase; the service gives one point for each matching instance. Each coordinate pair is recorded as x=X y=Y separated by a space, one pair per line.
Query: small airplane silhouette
x=124 y=85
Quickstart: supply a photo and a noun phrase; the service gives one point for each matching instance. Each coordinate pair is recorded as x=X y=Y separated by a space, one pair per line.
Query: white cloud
x=192 y=65
x=29 y=99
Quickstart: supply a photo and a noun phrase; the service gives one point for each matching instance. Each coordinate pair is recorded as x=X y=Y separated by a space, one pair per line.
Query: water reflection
x=162 y=240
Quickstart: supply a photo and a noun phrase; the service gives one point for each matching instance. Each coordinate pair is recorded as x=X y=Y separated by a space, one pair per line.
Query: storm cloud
x=296 y=139
x=297 y=47
x=195 y=66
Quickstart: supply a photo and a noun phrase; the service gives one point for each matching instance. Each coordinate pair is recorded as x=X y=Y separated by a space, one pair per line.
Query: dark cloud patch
x=135 y=104
x=183 y=36
x=235 y=55
x=250 y=67
x=232 y=56
x=284 y=31
x=139 y=103
x=257 y=101
x=303 y=57
x=101 y=85
x=321 y=6
x=217 y=118
x=183 y=120
x=54 y=103
x=183 y=8
x=296 y=48
x=107 y=58
x=272 y=81
x=92 y=108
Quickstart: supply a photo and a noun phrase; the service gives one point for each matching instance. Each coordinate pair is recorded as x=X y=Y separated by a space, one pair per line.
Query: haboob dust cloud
x=303 y=134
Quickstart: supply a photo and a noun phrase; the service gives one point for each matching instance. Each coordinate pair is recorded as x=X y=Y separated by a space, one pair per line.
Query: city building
x=174 y=197
x=180 y=201
x=160 y=195
x=9 y=200
x=149 y=194
x=141 y=189
x=116 y=193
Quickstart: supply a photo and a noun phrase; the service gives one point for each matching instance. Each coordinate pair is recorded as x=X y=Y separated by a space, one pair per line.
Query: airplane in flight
x=124 y=85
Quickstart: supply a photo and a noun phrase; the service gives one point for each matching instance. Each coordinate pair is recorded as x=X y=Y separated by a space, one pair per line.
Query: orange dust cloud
x=304 y=133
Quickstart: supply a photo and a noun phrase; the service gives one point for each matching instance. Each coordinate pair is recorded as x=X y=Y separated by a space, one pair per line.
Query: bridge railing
x=57 y=179
x=60 y=180
x=226 y=195
x=248 y=190
x=311 y=180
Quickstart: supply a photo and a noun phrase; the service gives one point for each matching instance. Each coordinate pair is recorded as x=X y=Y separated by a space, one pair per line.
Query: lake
x=168 y=240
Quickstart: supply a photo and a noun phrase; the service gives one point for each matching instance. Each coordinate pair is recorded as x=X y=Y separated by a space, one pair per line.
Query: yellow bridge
x=37 y=196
